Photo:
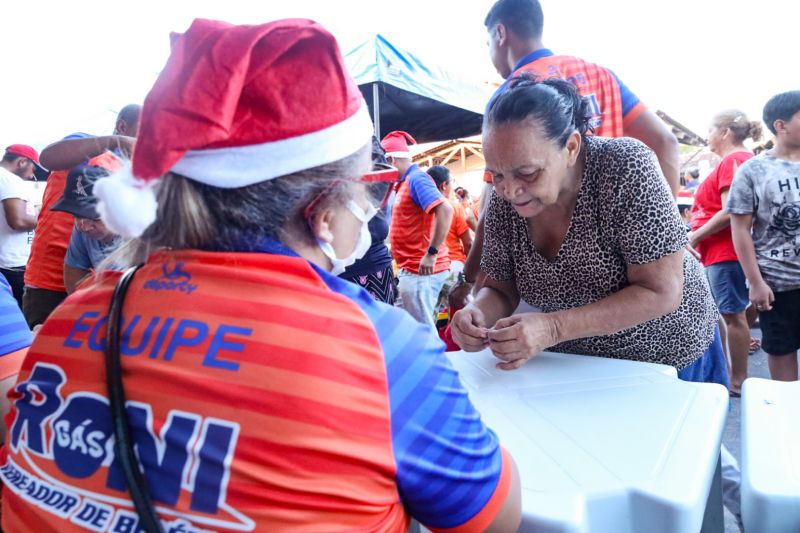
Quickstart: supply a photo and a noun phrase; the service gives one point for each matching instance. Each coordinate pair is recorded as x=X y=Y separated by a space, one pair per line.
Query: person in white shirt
x=19 y=163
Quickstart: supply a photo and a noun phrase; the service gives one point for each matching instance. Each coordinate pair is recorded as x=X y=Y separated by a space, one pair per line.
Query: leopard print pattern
x=625 y=214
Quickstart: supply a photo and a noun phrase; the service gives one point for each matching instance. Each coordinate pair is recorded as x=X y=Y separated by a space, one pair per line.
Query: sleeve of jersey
x=451 y=471
x=742 y=198
x=632 y=107
x=424 y=193
x=15 y=336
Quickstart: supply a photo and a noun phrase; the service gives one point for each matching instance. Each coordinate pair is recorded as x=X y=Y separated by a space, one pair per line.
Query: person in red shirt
x=711 y=234
x=420 y=221
x=44 y=277
x=459 y=239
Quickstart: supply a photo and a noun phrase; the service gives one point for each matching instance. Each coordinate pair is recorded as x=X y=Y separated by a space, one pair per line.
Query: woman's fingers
x=511 y=365
x=469 y=331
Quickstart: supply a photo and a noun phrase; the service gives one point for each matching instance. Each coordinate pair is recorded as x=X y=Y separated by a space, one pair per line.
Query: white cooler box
x=770 y=456
x=602 y=445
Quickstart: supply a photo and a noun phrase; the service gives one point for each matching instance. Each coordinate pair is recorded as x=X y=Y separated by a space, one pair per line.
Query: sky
x=71 y=65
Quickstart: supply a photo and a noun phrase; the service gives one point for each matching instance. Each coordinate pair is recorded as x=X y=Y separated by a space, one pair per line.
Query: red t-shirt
x=717 y=247
x=457 y=228
x=45 y=268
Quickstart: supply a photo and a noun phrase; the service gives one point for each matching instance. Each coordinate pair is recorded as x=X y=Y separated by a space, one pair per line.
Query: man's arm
x=760 y=293
x=443 y=216
x=69 y=153
x=652 y=131
x=466 y=241
x=77 y=261
x=17 y=217
x=73 y=277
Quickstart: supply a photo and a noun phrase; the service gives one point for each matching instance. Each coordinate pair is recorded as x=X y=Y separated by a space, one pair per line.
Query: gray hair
x=192 y=215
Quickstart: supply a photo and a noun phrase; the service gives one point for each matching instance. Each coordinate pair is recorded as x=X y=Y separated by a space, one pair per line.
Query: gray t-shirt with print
x=769 y=189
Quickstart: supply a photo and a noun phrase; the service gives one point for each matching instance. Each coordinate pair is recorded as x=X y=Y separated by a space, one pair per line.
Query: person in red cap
x=260 y=392
x=421 y=218
x=19 y=163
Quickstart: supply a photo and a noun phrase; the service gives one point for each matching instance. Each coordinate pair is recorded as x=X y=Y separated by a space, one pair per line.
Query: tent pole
x=376 y=110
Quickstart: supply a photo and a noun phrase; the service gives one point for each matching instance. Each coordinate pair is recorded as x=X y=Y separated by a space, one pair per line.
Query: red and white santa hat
x=396 y=144
x=235 y=106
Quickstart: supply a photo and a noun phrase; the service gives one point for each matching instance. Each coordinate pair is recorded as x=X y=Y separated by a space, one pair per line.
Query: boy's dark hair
x=553 y=103
x=523 y=17
x=440 y=175
x=782 y=106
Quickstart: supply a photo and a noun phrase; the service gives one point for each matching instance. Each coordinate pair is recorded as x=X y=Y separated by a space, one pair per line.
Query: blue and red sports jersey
x=613 y=104
x=264 y=395
x=15 y=335
x=412 y=222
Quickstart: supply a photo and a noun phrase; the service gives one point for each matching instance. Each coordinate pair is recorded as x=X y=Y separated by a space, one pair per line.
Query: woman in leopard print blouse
x=584 y=228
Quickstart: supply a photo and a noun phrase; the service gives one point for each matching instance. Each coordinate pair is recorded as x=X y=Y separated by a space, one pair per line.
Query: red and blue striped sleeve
x=452 y=473
x=632 y=107
x=423 y=191
x=15 y=336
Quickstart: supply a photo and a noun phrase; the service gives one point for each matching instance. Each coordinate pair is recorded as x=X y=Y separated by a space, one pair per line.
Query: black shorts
x=780 y=327
x=37 y=304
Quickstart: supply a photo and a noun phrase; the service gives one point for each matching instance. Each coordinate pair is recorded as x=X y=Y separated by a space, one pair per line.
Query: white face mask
x=362 y=245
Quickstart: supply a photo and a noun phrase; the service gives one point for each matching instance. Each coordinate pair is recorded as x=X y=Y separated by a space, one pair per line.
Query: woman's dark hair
x=781 y=107
x=554 y=104
x=440 y=175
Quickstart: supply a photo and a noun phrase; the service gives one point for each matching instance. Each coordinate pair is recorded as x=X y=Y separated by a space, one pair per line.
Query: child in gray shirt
x=764 y=202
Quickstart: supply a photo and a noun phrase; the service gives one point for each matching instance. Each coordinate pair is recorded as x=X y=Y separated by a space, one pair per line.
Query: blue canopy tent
x=405 y=93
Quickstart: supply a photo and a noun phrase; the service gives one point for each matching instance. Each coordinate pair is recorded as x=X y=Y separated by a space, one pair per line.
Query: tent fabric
x=416 y=96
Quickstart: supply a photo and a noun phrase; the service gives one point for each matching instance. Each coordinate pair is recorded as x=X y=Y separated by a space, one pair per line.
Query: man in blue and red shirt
x=420 y=221
x=515 y=47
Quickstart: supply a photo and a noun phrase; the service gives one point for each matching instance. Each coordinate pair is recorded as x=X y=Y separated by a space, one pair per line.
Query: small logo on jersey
x=173 y=278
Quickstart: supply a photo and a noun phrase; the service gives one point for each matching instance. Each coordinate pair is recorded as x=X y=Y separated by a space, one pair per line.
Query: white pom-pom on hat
x=126 y=205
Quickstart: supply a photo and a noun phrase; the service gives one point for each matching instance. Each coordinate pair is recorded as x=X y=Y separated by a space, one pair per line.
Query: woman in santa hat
x=232 y=382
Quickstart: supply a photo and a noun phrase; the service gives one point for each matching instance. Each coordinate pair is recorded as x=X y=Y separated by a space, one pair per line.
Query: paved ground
x=757 y=368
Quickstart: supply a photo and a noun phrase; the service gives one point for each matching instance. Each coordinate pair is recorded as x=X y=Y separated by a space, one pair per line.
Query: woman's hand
x=518 y=338
x=761 y=296
x=469 y=329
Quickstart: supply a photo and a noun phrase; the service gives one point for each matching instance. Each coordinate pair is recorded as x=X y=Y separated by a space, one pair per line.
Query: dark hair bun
x=553 y=103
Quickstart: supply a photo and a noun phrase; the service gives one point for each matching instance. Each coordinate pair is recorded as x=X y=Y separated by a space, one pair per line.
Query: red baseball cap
x=25 y=151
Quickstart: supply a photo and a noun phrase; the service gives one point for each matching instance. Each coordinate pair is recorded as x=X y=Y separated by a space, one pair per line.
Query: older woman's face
x=528 y=170
x=716 y=135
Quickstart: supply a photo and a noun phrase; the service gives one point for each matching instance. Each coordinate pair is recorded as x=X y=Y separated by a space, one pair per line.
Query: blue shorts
x=728 y=286
x=711 y=367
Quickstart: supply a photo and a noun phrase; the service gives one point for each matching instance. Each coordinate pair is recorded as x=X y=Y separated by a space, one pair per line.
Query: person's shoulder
x=757 y=165
x=416 y=173
x=618 y=149
x=7 y=177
